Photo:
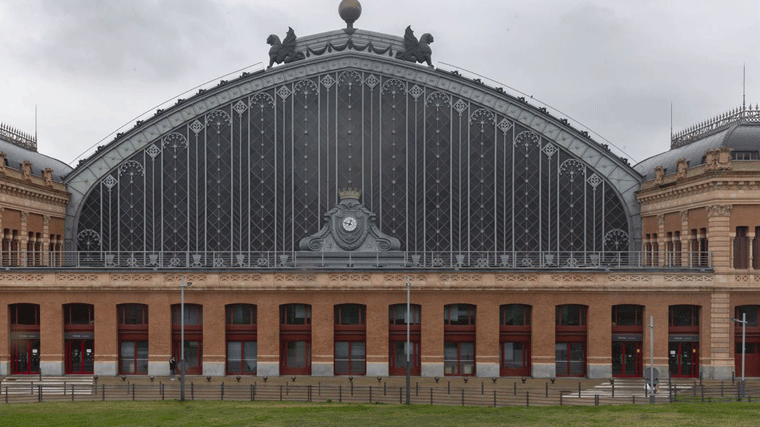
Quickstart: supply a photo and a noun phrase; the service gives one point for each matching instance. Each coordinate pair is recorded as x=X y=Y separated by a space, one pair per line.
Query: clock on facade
x=349 y=223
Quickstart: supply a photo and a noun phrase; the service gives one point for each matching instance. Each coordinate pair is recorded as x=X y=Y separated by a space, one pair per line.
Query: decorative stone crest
x=681 y=167
x=718 y=159
x=719 y=210
x=26 y=170
x=285 y=51
x=659 y=174
x=416 y=50
x=349 y=226
x=48 y=175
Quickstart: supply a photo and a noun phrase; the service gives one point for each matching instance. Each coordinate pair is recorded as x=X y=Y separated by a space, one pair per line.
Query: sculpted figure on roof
x=416 y=50
x=285 y=51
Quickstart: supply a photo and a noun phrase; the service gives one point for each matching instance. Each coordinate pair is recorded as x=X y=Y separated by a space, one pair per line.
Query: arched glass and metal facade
x=442 y=171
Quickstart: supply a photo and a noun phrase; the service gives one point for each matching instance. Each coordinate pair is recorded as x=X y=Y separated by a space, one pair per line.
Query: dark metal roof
x=16 y=156
x=740 y=136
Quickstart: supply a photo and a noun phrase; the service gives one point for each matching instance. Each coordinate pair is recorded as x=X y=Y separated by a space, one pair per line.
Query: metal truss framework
x=443 y=174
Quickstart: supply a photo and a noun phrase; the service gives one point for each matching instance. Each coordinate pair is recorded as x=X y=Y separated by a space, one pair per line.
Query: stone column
x=23 y=239
x=45 y=240
x=718 y=230
x=106 y=340
x=685 y=242
x=720 y=328
x=661 y=245
x=751 y=238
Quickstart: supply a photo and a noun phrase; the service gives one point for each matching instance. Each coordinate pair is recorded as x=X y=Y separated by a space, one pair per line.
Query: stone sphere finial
x=350 y=11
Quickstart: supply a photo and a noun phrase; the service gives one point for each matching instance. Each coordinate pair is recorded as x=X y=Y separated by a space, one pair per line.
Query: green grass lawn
x=171 y=413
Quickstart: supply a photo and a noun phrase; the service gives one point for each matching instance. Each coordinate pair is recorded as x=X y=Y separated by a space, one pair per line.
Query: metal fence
x=398 y=259
x=503 y=394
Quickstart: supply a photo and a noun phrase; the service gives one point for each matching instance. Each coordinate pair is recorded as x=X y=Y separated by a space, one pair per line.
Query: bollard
x=596 y=400
x=494 y=398
x=633 y=397
x=515 y=388
x=547 y=389
x=222 y=391
x=319 y=388
x=103 y=390
x=431 y=395
x=721 y=389
x=251 y=392
x=340 y=393
x=72 y=392
x=449 y=391
x=192 y=389
x=579 y=389
x=39 y=393
x=287 y=390
x=560 y=398
x=462 y=397
x=281 y=392
x=527 y=398
x=400 y=391
x=613 y=389
x=482 y=389
x=133 y=392
x=309 y=399
x=417 y=388
x=703 y=394
x=352 y=388
x=370 y=394
x=64 y=388
x=161 y=389
x=254 y=391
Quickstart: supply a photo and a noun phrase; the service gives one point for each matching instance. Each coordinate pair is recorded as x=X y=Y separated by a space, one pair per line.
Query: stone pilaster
x=23 y=239
x=721 y=360
x=685 y=242
x=719 y=240
x=661 y=243
x=45 y=240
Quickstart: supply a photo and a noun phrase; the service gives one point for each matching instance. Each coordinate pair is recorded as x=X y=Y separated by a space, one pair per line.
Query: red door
x=751 y=359
x=25 y=356
x=193 y=356
x=80 y=356
x=295 y=356
x=398 y=357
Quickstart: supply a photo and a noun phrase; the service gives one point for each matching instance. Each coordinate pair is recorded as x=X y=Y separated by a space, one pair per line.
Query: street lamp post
x=182 y=364
x=408 y=344
x=743 y=321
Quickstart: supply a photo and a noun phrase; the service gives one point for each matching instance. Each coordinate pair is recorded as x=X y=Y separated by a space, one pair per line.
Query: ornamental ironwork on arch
x=442 y=173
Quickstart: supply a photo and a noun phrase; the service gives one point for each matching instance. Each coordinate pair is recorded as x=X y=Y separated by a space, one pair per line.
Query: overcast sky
x=93 y=66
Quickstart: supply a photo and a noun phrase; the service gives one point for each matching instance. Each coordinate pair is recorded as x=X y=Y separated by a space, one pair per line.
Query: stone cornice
x=31 y=191
x=701 y=185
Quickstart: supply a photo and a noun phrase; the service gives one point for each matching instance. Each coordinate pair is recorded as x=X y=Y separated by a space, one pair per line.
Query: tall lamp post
x=182 y=363
x=743 y=321
x=408 y=344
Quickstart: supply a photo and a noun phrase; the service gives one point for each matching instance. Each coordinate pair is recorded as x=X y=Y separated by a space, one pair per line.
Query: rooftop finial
x=350 y=11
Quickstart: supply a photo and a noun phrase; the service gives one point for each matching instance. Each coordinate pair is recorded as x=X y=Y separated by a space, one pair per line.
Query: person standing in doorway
x=172 y=366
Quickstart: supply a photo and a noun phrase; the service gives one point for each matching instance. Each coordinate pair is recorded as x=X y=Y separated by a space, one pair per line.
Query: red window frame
x=518 y=332
x=637 y=327
x=240 y=332
x=692 y=327
x=397 y=334
x=291 y=331
x=72 y=312
x=13 y=314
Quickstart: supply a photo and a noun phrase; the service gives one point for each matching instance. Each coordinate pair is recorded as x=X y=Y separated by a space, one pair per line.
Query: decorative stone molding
x=719 y=210
x=240 y=278
x=661 y=219
x=45 y=220
x=681 y=167
x=351 y=277
x=516 y=278
x=400 y=277
x=685 y=215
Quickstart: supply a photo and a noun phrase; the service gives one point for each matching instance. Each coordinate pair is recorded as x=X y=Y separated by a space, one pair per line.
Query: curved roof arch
x=372 y=54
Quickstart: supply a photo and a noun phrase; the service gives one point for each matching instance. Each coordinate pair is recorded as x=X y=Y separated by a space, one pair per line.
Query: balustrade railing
x=361 y=260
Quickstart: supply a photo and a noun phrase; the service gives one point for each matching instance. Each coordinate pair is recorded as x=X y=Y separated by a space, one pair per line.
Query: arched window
x=397 y=319
x=242 y=346
x=570 y=340
x=459 y=339
x=514 y=338
x=350 y=339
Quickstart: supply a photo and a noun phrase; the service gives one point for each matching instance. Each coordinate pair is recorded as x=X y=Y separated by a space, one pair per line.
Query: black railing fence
x=503 y=393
